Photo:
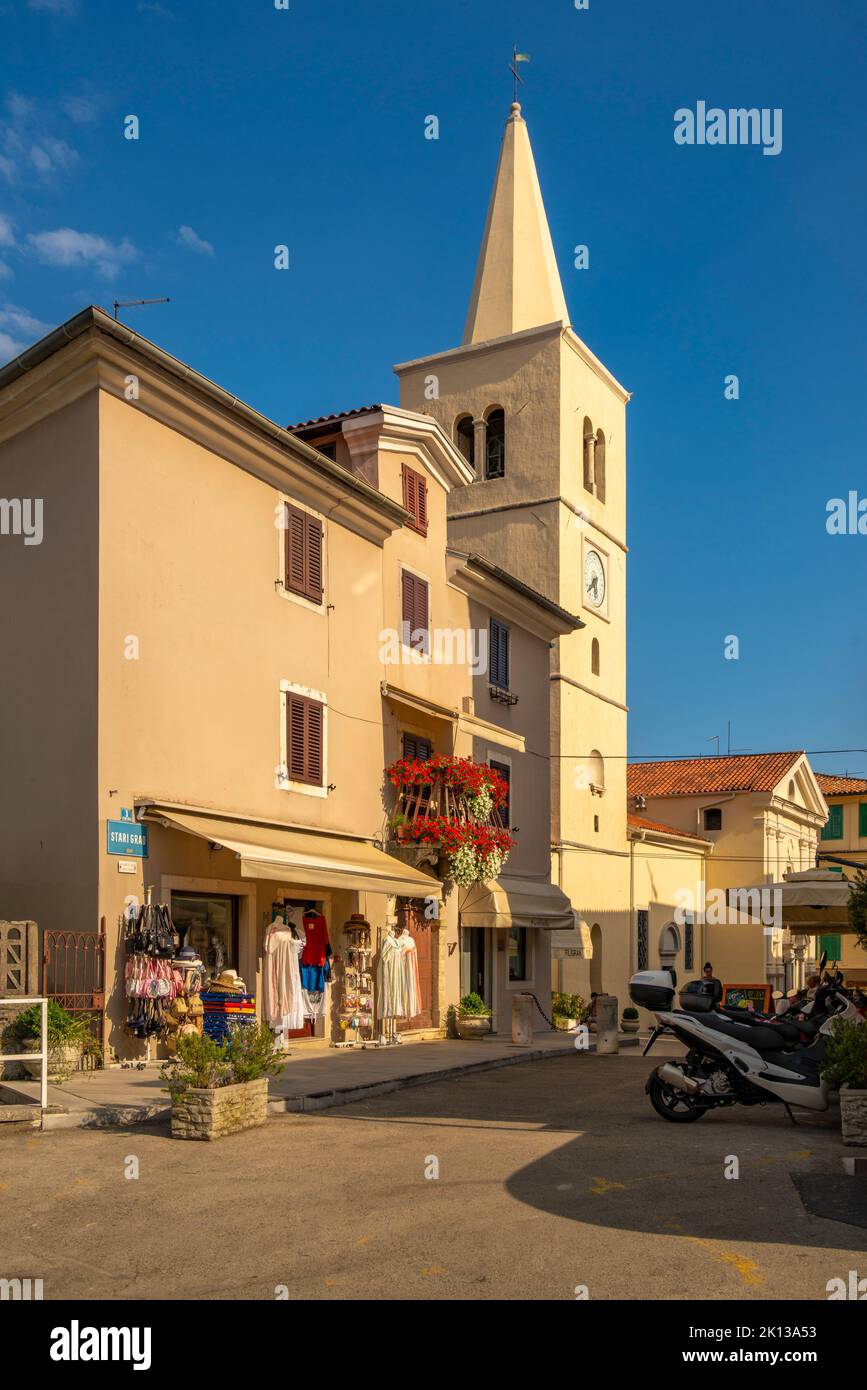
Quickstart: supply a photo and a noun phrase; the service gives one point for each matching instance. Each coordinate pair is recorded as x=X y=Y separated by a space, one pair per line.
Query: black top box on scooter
x=652 y=989
x=696 y=998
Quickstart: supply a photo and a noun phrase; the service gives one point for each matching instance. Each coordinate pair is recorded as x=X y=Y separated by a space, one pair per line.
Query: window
x=420 y=749
x=329 y=450
x=833 y=828
x=303 y=554
x=688 y=946
x=643 y=931
x=862 y=820
x=465 y=438
x=499 y=655
x=712 y=818
x=209 y=923
x=517 y=950
x=304 y=731
x=589 y=451
x=596 y=824
x=594 y=656
x=831 y=944
x=599 y=465
x=495 y=445
x=414 y=609
x=415 y=499
x=506 y=773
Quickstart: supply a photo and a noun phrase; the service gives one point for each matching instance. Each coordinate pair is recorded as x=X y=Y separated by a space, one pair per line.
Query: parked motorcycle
x=732 y=1061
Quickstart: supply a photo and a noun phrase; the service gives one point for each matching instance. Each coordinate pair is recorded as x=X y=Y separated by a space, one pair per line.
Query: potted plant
x=567 y=1011
x=846 y=1068
x=629 y=1020
x=69 y=1038
x=473 y=1017
x=219 y=1089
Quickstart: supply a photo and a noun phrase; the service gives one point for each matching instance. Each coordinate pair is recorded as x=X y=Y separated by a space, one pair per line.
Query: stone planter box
x=853 y=1113
x=203 y=1114
x=473 y=1026
x=62 y=1061
x=565 y=1025
x=630 y=1025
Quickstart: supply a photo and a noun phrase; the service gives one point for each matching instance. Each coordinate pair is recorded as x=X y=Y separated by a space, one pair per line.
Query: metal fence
x=73 y=975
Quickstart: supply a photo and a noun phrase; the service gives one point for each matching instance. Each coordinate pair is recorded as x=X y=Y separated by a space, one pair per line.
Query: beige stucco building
x=211 y=642
x=761 y=815
x=844 y=836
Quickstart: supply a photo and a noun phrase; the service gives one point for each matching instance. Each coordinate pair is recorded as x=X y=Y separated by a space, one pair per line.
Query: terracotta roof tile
x=641 y=823
x=833 y=785
x=332 y=419
x=741 y=772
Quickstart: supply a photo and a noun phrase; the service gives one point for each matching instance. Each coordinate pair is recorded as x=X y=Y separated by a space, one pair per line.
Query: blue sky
x=305 y=126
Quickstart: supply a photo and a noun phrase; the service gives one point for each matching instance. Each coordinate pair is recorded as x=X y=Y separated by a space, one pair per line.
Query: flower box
x=212 y=1114
x=853 y=1115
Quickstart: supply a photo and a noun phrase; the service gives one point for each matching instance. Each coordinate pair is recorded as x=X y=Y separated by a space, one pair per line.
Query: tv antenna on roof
x=131 y=303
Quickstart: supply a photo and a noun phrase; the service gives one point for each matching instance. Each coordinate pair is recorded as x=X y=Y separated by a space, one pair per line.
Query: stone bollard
x=606 y=1023
x=522 y=1019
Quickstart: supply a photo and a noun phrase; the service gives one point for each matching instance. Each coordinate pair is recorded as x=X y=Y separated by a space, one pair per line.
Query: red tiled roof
x=741 y=772
x=833 y=785
x=641 y=823
x=331 y=419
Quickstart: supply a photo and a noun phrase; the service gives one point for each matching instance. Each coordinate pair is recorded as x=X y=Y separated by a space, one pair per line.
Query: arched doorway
x=669 y=945
x=596 y=959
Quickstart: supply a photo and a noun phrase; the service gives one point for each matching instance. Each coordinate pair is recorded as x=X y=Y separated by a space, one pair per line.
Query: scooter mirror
x=823 y=961
x=777 y=994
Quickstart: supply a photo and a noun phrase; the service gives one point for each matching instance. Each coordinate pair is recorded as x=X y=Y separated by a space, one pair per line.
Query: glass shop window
x=208 y=923
x=517 y=949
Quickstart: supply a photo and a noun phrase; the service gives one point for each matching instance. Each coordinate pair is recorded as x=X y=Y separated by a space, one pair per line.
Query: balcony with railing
x=452 y=813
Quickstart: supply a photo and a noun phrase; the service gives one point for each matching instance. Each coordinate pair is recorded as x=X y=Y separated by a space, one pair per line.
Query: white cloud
x=28 y=141
x=82 y=110
x=187 y=237
x=18 y=329
x=67 y=247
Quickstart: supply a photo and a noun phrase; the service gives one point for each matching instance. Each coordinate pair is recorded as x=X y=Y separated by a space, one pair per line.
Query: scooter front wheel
x=672 y=1104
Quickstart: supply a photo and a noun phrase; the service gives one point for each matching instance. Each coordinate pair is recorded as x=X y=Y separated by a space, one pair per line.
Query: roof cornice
x=92 y=351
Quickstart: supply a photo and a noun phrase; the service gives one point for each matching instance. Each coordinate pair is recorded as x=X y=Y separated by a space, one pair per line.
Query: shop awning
x=300 y=856
x=516 y=901
x=814 y=900
x=573 y=941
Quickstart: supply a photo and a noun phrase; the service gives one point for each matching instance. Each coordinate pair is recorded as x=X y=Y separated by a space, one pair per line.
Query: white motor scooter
x=731 y=1063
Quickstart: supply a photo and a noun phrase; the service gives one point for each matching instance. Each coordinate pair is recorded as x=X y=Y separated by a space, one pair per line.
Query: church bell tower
x=543 y=424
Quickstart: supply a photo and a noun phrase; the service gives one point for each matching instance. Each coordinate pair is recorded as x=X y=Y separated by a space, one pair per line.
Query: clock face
x=594 y=578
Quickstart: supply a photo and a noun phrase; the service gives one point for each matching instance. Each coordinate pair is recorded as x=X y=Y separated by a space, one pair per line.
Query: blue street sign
x=124 y=838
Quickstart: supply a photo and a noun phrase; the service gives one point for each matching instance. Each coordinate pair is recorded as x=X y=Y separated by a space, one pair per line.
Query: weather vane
x=513 y=67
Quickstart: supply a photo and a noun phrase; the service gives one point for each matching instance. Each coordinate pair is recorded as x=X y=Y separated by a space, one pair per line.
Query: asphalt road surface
x=552 y=1177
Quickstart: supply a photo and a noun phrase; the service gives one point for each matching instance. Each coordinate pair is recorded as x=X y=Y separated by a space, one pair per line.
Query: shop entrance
x=474 y=962
x=425 y=934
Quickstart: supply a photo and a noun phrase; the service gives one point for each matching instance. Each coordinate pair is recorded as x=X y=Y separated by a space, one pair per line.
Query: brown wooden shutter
x=304 y=742
x=415 y=610
x=303 y=554
x=415 y=498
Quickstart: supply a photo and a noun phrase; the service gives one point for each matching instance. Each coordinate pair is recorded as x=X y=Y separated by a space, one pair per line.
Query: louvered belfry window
x=415 y=617
x=303 y=554
x=415 y=498
x=304 y=739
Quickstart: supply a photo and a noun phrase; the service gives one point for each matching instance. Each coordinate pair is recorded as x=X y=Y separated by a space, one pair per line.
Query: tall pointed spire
x=517 y=282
